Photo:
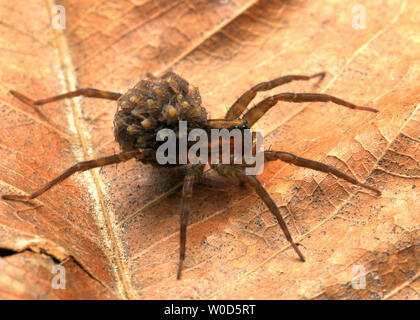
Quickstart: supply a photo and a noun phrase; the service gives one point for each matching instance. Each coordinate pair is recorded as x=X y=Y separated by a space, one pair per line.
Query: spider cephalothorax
x=161 y=103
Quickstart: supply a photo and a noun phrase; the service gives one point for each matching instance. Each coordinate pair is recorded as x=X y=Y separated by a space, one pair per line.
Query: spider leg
x=255 y=113
x=193 y=175
x=235 y=173
x=243 y=101
x=86 y=92
x=83 y=166
x=315 y=165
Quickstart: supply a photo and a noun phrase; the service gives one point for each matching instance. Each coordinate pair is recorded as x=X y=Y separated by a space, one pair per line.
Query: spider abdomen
x=155 y=104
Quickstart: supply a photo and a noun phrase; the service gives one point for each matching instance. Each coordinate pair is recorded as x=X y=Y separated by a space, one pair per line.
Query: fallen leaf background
x=115 y=230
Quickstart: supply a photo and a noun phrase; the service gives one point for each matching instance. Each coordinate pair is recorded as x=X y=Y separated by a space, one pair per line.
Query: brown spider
x=157 y=103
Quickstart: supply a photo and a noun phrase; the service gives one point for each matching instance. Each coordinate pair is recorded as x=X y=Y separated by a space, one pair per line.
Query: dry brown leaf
x=116 y=230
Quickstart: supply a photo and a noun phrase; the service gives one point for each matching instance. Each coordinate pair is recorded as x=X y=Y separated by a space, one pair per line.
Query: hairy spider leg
x=193 y=175
x=255 y=113
x=315 y=165
x=235 y=173
x=86 y=92
x=243 y=101
x=83 y=166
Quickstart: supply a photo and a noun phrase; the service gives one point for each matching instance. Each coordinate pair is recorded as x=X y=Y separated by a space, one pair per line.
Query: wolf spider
x=157 y=103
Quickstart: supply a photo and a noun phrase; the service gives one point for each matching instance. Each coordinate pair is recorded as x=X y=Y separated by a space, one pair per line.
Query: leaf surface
x=115 y=230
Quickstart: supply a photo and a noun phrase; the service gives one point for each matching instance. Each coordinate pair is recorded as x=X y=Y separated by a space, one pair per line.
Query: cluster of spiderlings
x=154 y=104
